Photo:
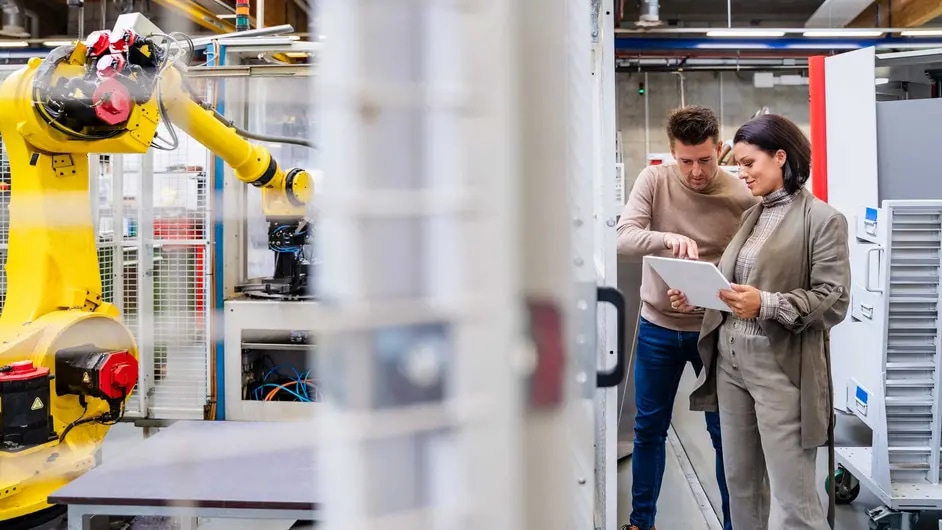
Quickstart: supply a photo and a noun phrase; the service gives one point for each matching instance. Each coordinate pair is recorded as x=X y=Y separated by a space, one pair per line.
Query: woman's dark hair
x=770 y=132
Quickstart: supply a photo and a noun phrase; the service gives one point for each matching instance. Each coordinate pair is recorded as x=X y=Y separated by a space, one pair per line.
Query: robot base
x=36 y=472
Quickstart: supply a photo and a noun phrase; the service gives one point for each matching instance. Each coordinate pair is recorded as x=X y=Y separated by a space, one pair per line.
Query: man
x=687 y=209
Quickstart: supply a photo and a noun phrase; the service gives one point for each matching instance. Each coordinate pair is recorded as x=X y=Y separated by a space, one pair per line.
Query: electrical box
x=269 y=360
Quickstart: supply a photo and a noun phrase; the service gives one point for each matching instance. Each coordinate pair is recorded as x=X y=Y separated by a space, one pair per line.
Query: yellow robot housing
x=67 y=362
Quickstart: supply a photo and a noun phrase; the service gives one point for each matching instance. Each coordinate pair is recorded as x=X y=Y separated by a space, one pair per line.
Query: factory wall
x=733 y=95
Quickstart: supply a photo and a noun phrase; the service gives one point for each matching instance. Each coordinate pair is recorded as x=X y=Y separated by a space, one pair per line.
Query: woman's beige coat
x=807 y=260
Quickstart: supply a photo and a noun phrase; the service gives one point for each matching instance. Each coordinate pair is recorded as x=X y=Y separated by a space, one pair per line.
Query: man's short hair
x=693 y=125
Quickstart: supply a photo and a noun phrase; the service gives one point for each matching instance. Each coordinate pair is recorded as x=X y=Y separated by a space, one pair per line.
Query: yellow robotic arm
x=67 y=362
x=285 y=194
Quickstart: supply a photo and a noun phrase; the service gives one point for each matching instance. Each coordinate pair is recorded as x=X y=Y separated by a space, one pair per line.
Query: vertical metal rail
x=146 y=318
x=935 y=465
x=220 y=252
x=607 y=209
x=580 y=418
x=647 y=124
x=118 y=216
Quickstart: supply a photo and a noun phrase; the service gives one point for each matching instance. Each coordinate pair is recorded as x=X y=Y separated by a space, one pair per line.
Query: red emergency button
x=22 y=366
x=22 y=371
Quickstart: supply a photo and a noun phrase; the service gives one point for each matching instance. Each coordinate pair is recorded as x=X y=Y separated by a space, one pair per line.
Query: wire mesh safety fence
x=177 y=315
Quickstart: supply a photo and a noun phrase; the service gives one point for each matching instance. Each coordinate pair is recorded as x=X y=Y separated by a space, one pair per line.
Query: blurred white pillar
x=456 y=142
x=418 y=221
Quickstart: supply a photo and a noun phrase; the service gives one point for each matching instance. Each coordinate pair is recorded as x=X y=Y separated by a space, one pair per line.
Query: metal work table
x=204 y=469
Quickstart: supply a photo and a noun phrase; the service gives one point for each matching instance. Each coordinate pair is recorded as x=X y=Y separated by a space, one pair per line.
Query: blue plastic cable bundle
x=301 y=383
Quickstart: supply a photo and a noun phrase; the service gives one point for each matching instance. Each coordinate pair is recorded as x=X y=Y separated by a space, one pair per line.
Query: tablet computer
x=699 y=280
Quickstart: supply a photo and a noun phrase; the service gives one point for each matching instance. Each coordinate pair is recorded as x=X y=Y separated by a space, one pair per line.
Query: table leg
x=78 y=519
x=186 y=522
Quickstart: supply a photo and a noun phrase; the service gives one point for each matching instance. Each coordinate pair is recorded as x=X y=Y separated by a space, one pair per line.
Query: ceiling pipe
x=837 y=13
x=654 y=68
x=691 y=61
x=13 y=19
x=688 y=64
x=650 y=14
x=702 y=30
x=302 y=5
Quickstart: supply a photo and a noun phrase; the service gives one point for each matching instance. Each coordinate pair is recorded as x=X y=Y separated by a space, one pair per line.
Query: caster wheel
x=846 y=486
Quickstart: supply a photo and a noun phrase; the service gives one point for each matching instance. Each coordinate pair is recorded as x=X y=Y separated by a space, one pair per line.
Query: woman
x=766 y=361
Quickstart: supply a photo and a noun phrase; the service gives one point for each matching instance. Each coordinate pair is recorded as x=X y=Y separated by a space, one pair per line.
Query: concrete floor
x=689 y=489
x=691 y=431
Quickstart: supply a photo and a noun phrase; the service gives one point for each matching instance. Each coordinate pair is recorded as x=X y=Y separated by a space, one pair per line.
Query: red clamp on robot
x=121 y=42
x=90 y=371
x=98 y=43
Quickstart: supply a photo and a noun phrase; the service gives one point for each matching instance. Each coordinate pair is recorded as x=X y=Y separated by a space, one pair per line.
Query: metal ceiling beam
x=198 y=14
x=671 y=31
x=899 y=13
x=629 y=45
x=836 y=13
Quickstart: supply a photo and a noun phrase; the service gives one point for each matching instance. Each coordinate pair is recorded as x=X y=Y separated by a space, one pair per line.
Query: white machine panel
x=852 y=178
x=896 y=381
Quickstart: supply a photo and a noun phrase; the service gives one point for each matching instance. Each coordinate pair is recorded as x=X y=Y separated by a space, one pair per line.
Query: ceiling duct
x=13 y=19
x=650 y=14
x=837 y=13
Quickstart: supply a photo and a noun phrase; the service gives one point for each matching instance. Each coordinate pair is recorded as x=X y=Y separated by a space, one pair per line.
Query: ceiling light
x=733 y=46
x=881 y=81
x=57 y=43
x=13 y=44
x=842 y=33
x=297 y=55
x=744 y=33
x=922 y=33
x=824 y=46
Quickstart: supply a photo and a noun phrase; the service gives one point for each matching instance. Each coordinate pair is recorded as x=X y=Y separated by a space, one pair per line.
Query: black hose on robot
x=256 y=136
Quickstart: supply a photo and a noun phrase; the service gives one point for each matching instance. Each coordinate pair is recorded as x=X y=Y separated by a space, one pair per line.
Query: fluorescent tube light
x=827 y=46
x=842 y=33
x=13 y=44
x=881 y=81
x=744 y=33
x=57 y=43
x=732 y=46
x=922 y=33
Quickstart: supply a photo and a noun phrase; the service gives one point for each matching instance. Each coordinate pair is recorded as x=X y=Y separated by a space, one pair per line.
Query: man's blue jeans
x=660 y=359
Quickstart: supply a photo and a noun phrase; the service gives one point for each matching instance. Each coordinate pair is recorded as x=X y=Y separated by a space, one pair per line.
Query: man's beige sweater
x=661 y=202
